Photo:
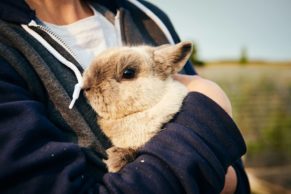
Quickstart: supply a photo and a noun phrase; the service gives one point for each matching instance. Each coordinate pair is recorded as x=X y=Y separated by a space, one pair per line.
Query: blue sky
x=222 y=27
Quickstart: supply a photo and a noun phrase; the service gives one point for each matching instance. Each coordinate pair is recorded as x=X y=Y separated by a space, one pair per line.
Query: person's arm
x=191 y=155
x=206 y=87
x=232 y=181
x=213 y=91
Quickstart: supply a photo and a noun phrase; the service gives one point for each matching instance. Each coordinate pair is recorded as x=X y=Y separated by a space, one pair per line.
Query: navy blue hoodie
x=47 y=148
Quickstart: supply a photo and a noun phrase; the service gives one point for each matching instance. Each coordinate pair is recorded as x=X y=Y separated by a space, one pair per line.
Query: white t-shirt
x=87 y=37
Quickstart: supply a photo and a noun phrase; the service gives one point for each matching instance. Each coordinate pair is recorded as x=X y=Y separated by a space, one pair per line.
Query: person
x=49 y=139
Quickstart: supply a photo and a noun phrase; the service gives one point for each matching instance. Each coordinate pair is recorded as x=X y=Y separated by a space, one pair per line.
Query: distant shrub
x=243 y=56
x=194 y=57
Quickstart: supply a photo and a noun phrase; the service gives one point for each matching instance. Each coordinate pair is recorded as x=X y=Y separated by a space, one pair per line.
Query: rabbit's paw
x=119 y=157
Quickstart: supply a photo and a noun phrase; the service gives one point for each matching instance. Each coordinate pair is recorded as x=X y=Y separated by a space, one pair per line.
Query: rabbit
x=132 y=90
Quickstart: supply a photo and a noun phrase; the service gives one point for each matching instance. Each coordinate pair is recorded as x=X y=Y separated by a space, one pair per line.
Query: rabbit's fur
x=134 y=94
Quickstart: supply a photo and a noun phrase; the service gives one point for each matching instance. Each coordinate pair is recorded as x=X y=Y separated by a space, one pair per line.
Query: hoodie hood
x=16 y=11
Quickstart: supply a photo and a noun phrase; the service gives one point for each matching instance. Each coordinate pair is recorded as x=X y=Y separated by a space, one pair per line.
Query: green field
x=261 y=100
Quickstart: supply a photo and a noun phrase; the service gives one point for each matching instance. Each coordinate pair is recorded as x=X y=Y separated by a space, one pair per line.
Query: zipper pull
x=59 y=57
x=76 y=94
x=33 y=23
x=118 y=28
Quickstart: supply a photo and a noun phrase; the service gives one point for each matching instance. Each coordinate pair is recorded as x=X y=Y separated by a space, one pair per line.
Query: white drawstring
x=76 y=94
x=79 y=85
x=155 y=18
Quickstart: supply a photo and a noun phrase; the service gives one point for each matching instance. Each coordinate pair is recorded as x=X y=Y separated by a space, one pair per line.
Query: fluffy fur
x=134 y=94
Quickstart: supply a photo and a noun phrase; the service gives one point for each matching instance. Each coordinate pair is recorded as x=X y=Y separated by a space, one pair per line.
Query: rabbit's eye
x=129 y=73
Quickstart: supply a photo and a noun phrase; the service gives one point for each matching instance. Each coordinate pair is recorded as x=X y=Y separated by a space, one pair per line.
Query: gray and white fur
x=133 y=92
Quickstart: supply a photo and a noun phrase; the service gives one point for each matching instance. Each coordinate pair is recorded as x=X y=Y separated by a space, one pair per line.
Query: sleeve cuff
x=209 y=121
x=200 y=142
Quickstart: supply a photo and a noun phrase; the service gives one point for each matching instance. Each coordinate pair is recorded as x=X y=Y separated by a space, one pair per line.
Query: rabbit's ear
x=170 y=59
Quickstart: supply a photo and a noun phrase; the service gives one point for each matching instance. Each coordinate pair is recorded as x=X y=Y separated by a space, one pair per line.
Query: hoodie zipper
x=53 y=35
x=79 y=85
x=59 y=40
x=117 y=27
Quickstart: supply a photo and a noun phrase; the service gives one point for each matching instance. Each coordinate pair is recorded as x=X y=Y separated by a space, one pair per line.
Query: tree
x=194 y=56
x=243 y=56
